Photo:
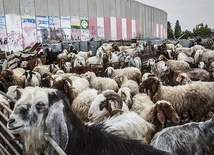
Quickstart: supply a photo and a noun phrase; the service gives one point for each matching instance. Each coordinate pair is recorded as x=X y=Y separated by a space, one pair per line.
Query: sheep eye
x=40 y=107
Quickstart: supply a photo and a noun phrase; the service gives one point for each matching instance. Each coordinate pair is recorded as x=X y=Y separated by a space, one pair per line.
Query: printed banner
x=42 y=29
x=75 y=28
x=66 y=26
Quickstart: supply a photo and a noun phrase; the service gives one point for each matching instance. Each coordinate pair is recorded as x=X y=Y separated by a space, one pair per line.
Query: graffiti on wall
x=3 y=34
x=14 y=32
x=29 y=31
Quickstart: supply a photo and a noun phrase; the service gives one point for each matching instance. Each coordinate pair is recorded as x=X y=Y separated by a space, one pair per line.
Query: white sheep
x=42 y=69
x=79 y=61
x=85 y=55
x=156 y=113
x=132 y=73
x=63 y=55
x=100 y=83
x=106 y=104
x=123 y=81
x=175 y=64
x=183 y=79
x=110 y=105
x=82 y=102
x=133 y=62
x=184 y=98
x=184 y=57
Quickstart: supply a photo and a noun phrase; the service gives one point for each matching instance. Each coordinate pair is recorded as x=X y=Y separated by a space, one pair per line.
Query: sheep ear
x=160 y=114
x=56 y=123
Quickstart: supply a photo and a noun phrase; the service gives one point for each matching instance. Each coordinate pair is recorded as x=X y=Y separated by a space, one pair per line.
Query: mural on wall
x=3 y=34
x=75 y=28
x=28 y=30
x=84 y=26
x=42 y=29
x=14 y=32
x=66 y=26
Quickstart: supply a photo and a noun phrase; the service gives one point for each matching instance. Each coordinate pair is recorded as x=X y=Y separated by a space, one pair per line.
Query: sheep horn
x=114 y=96
x=9 y=97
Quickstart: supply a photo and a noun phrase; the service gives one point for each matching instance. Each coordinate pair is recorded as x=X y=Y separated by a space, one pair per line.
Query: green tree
x=202 y=31
x=187 y=34
x=177 y=31
x=170 y=34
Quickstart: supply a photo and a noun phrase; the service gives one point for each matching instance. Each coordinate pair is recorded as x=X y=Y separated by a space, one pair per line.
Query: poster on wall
x=56 y=33
x=84 y=26
x=100 y=28
x=66 y=26
x=3 y=34
x=75 y=28
x=14 y=32
x=29 y=30
x=42 y=29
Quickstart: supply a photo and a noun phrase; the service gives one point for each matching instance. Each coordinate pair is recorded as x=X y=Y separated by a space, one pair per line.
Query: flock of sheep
x=166 y=109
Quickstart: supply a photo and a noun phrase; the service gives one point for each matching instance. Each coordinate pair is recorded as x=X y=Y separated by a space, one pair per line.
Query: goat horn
x=114 y=96
x=9 y=97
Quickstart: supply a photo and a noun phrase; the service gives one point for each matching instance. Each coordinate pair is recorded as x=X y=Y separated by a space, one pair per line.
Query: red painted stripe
x=119 y=28
x=107 y=27
x=129 y=28
x=93 y=28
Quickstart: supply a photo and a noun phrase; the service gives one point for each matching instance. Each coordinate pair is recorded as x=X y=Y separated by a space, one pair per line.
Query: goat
x=44 y=111
x=191 y=138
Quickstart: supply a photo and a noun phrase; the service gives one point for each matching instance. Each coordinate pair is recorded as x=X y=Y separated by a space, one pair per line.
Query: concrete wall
x=25 y=22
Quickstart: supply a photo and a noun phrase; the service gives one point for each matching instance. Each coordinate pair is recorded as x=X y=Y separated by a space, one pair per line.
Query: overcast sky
x=188 y=12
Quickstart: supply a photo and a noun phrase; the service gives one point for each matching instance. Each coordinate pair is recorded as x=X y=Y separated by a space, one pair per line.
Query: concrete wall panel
x=41 y=7
x=64 y=8
x=112 y=19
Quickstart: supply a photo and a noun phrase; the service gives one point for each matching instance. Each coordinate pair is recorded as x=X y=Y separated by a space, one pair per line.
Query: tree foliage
x=170 y=34
x=199 y=31
x=177 y=31
x=202 y=31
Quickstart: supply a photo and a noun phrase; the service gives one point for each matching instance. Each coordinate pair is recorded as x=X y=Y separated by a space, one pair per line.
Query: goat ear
x=56 y=125
x=160 y=114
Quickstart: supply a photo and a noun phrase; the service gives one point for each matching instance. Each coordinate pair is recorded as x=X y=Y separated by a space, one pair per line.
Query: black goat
x=42 y=111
